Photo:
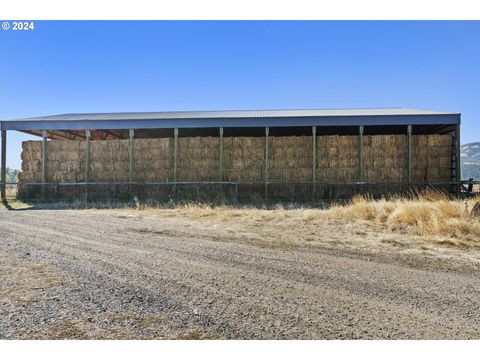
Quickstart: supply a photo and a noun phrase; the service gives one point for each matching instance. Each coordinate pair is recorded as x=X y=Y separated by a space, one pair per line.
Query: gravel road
x=115 y=274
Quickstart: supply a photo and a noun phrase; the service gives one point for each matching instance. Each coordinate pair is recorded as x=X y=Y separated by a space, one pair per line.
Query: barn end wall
x=290 y=160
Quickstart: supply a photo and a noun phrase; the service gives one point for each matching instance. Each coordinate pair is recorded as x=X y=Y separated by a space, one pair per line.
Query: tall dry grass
x=432 y=215
x=426 y=214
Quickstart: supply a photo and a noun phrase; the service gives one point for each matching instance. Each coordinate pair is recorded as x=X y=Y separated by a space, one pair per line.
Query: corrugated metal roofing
x=234 y=114
x=233 y=118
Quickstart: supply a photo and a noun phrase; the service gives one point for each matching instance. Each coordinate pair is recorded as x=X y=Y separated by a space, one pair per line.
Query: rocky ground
x=126 y=274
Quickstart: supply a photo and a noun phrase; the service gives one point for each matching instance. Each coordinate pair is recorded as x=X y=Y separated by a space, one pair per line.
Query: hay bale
x=153 y=159
x=198 y=159
x=244 y=158
x=337 y=158
x=109 y=161
x=290 y=159
x=385 y=158
x=431 y=158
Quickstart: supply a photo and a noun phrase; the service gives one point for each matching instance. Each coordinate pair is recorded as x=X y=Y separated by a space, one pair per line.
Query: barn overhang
x=116 y=125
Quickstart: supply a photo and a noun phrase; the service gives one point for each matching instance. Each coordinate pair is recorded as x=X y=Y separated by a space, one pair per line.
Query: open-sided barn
x=299 y=155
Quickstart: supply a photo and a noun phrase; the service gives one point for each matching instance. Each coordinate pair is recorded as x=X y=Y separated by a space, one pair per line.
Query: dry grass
x=432 y=215
x=23 y=281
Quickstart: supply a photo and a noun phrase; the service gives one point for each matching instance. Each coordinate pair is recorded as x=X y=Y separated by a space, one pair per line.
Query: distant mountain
x=470 y=161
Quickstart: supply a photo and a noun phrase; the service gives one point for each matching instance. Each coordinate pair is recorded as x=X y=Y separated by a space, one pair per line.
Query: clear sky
x=67 y=66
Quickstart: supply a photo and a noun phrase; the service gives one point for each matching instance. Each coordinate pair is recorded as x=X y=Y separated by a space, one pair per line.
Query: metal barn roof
x=233 y=118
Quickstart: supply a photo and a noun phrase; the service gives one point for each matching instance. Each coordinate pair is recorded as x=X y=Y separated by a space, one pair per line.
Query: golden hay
x=244 y=158
x=198 y=159
x=290 y=159
x=153 y=159
x=337 y=158
x=430 y=214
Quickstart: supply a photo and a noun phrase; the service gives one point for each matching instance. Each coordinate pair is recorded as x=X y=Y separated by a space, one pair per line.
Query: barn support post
x=360 y=153
x=221 y=165
x=131 y=134
x=458 y=165
x=88 y=136
x=44 y=161
x=314 y=160
x=175 y=154
x=175 y=159
x=314 y=153
x=409 y=154
x=267 y=131
x=3 y=177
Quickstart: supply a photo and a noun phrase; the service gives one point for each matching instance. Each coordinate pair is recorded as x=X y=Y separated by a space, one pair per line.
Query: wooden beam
x=57 y=134
x=3 y=175
x=175 y=153
x=409 y=154
x=130 y=154
x=360 y=153
x=221 y=156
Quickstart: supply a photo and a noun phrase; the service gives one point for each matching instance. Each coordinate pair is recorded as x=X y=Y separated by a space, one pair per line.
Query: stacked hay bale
x=244 y=158
x=385 y=158
x=65 y=161
x=198 y=159
x=431 y=158
x=109 y=161
x=153 y=159
x=290 y=159
x=337 y=158
x=31 y=162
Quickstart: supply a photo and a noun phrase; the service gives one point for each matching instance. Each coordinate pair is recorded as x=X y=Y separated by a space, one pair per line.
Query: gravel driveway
x=117 y=274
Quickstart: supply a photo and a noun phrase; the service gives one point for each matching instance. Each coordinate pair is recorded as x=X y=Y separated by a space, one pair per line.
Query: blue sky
x=86 y=66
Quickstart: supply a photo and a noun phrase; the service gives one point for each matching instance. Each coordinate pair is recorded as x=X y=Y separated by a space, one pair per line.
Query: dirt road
x=126 y=274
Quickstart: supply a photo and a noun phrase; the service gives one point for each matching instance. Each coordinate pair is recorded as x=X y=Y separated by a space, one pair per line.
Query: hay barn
x=240 y=156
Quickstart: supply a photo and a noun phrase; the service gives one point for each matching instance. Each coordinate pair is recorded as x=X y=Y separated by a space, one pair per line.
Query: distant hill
x=471 y=161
